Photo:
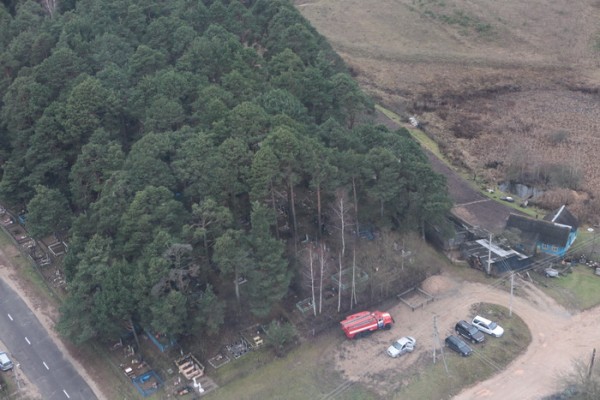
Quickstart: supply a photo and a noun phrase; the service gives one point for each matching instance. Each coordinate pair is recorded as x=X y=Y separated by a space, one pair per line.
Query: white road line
x=9 y=316
x=27 y=340
x=46 y=365
x=66 y=394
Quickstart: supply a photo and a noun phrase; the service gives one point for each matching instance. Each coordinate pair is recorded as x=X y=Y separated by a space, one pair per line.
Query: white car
x=403 y=345
x=5 y=363
x=487 y=326
x=551 y=273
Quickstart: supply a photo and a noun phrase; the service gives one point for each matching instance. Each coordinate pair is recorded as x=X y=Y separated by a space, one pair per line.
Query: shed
x=501 y=259
x=554 y=234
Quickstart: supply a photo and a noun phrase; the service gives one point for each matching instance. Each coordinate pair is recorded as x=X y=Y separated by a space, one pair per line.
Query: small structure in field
x=305 y=305
x=415 y=297
x=360 y=277
x=189 y=366
x=253 y=335
x=161 y=341
x=218 y=361
x=147 y=383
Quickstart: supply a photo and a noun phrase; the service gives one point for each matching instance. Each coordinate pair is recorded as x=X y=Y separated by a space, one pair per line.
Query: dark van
x=469 y=332
x=454 y=343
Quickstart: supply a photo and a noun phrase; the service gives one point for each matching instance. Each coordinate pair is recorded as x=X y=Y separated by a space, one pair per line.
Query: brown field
x=514 y=82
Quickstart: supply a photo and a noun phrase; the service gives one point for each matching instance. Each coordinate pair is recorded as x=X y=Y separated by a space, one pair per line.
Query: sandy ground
x=558 y=337
x=47 y=316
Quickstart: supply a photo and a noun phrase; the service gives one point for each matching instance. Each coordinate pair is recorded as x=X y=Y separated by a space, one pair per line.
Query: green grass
x=490 y=357
x=304 y=373
x=27 y=269
x=579 y=290
x=417 y=134
x=17 y=259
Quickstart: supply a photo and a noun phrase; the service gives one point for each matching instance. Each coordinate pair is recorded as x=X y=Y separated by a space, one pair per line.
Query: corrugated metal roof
x=564 y=217
x=548 y=232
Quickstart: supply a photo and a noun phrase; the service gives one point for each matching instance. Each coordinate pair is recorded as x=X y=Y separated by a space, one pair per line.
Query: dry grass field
x=510 y=89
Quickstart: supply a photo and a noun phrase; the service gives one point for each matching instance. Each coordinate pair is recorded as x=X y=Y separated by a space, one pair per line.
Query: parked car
x=403 y=345
x=5 y=363
x=551 y=273
x=456 y=344
x=507 y=199
x=487 y=326
x=469 y=332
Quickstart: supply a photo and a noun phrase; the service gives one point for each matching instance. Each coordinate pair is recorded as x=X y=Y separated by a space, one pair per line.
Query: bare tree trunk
x=342 y=225
x=322 y=263
x=274 y=208
x=341 y=218
x=319 y=217
x=340 y=283
x=293 y=208
x=353 y=292
x=236 y=283
x=205 y=238
x=135 y=336
x=50 y=6
x=355 y=198
x=312 y=281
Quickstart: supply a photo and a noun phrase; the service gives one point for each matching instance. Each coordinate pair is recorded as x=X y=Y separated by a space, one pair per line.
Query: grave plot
x=254 y=336
x=219 y=360
x=346 y=277
x=238 y=348
x=147 y=383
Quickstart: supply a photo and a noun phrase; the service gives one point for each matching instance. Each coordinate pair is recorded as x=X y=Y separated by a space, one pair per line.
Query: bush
x=558 y=137
x=281 y=336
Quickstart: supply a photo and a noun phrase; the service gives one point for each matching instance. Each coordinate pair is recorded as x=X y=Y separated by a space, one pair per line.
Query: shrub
x=557 y=137
x=281 y=336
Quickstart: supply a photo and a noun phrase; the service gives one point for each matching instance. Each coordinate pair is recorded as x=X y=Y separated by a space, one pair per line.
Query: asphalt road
x=30 y=346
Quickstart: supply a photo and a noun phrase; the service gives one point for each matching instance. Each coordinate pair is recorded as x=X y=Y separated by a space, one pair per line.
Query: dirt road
x=558 y=337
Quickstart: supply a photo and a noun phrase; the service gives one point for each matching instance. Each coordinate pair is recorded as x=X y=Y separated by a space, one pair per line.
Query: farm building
x=553 y=234
x=480 y=253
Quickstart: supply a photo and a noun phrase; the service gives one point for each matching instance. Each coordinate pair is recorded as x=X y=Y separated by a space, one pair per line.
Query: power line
x=547 y=259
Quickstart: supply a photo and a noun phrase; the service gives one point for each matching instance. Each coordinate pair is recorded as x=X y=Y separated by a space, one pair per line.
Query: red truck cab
x=366 y=322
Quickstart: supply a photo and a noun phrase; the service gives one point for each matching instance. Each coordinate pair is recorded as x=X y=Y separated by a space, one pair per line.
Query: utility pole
x=16 y=367
x=592 y=363
x=593 y=245
x=436 y=339
x=512 y=284
x=402 y=254
x=489 y=263
x=353 y=292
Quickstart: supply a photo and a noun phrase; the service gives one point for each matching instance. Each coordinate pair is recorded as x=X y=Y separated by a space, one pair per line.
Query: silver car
x=487 y=326
x=403 y=345
x=5 y=363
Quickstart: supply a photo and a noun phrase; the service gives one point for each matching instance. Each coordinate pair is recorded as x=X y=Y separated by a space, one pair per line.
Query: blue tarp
x=148 y=383
x=162 y=342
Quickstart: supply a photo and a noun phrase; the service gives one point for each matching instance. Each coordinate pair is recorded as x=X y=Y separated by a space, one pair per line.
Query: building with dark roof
x=554 y=234
x=483 y=254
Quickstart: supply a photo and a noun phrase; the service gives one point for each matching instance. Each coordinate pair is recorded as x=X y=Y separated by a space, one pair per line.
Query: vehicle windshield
x=397 y=345
x=473 y=330
x=493 y=325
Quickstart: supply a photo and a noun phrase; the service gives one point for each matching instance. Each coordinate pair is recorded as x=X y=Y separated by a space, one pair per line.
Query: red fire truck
x=366 y=322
